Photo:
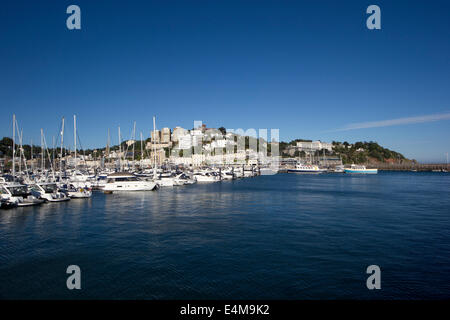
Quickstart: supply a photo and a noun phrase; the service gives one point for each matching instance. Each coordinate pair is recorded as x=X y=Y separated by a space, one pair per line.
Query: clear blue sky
x=308 y=68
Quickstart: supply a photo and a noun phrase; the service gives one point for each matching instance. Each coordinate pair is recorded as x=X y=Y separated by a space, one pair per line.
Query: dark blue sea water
x=271 y=237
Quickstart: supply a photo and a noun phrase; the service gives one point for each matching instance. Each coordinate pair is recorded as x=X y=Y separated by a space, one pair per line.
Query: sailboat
x=78 y=187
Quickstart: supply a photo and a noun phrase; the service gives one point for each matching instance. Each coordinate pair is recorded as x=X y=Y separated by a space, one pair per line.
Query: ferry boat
x=359 y=169
x=306 y=168
x=123 y=181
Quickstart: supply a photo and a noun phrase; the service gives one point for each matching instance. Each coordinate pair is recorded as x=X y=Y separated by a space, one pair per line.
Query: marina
x=64 y=177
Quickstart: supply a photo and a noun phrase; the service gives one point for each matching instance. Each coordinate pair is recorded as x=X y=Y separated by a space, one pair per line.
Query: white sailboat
x=78 y=187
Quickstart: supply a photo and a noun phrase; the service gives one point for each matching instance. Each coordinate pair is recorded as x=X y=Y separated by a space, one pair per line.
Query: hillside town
x=201 y=146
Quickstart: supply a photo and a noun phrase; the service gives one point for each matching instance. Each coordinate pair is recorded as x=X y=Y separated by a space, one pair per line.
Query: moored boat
x=204 y=176
x=19 y=194
x=305 y=168
x=360 y=169
x=124 y=181
x=48 y=191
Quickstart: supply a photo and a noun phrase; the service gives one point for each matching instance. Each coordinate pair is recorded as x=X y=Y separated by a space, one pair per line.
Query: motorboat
x=306 y=168
x=124 y=181
x=203 y=176
x=360 y=169
x=166 y=180
x=227 y=174
x=48 y=191
x=76 y=192
x=19 y=194
x=183 y=179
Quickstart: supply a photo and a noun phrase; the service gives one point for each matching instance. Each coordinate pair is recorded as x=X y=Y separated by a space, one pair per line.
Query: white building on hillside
x=177 y=132
x=312 y=146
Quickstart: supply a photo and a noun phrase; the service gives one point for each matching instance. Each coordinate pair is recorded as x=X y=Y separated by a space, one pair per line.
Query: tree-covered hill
x=358 y=152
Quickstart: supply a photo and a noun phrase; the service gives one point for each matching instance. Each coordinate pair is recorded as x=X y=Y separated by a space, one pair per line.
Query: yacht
x=206 y=177
x=166 y=180
x=227 y=174
x=184 y=179
x=77 y=192
x=306 y=168
x=123 y=181
x=359 y=169
x=19 y=194
x=99 y=182
x=48 y=191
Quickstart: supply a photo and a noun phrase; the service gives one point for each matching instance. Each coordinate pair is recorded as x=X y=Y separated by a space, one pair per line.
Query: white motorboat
x=183 y=179
x=75 y=190
x=19 y=194
x=306 y=168
x=360 y=169
x=201 y=177
x=227 y=174
x=166 y=180
x=48 y=191
x=123 y=181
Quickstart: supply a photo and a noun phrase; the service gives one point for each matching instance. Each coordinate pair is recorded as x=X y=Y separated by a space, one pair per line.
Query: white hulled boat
x=77 y=192
x=305 y=168
x=359 y=169
x=19 y=194
x=123 y=181
x=48 y=191
x=206 y=177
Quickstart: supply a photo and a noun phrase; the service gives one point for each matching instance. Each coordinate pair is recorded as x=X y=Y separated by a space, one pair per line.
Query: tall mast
x=20 y=149
x=62 y=143
x=31 y=154
x=75 y=138
x=42 y=151
x=107 y=144
x=134 y=140
x=53 y=151
x=142 y=150
x=154 y=147
x=120 y=152
x=14 y=148
x=22 y=154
